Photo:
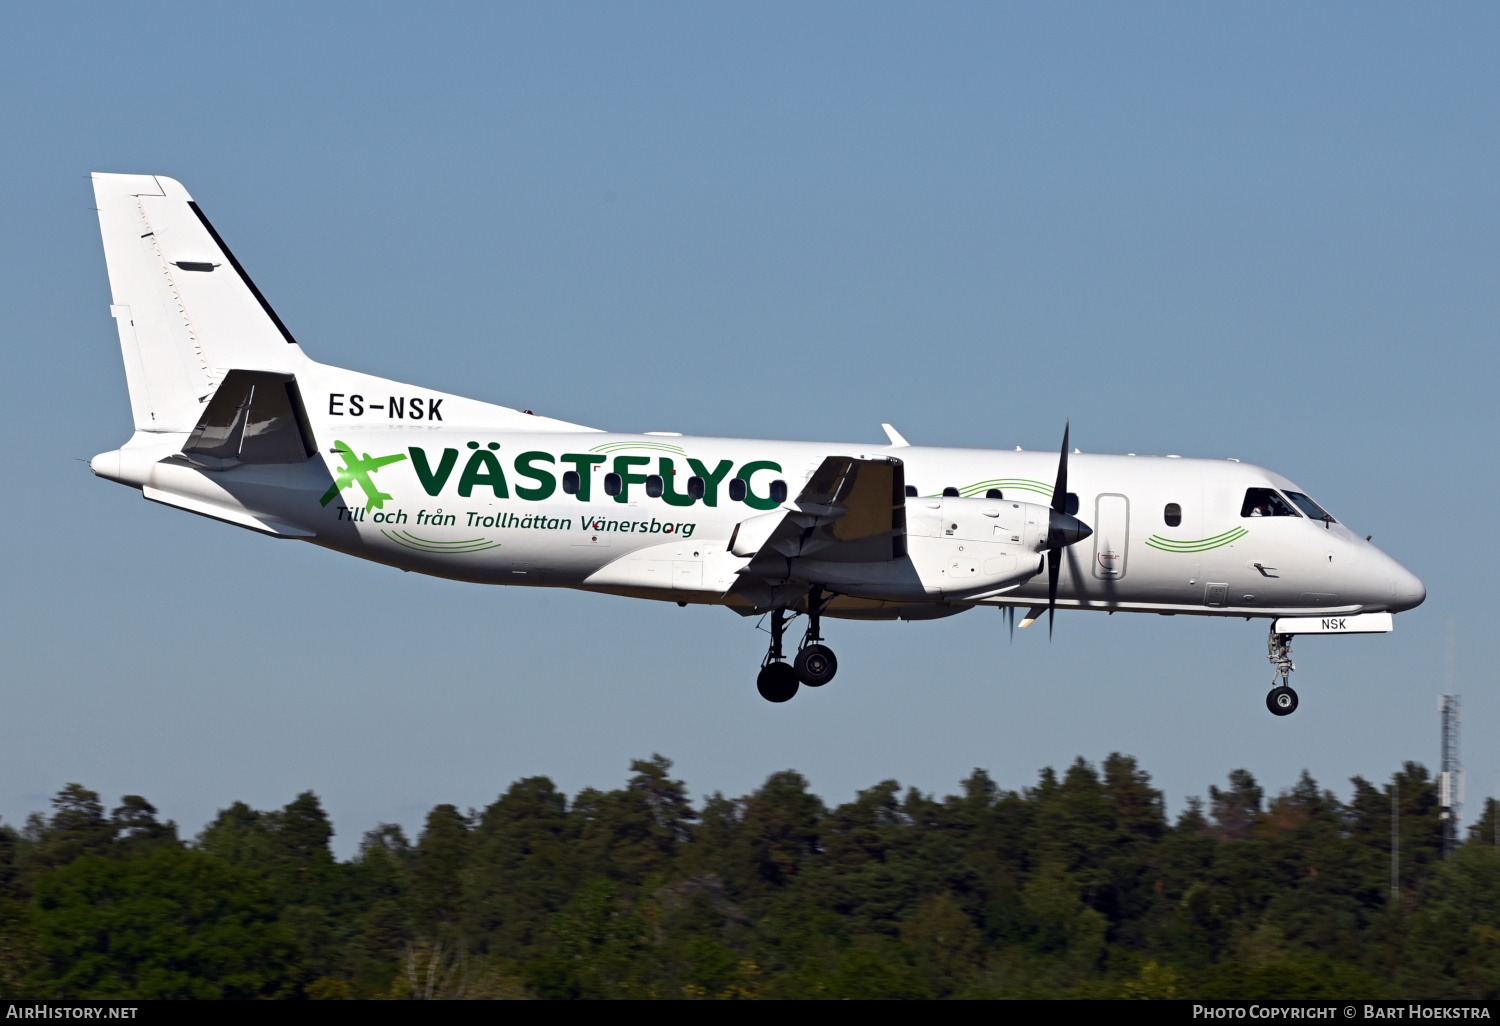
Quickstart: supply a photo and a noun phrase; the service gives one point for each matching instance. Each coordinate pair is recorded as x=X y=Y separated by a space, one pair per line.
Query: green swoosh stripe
x=1218 y=539
x=1014 y=483
x=434 y=541
x=608 y=447
x=411 y=541
x=1156 y=541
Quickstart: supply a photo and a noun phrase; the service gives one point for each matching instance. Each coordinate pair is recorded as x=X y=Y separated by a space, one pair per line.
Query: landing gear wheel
x=777 y=682
x=1282 y=701
x=815 y=665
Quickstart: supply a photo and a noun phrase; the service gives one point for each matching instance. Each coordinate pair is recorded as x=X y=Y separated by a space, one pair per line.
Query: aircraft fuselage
x=483 y=504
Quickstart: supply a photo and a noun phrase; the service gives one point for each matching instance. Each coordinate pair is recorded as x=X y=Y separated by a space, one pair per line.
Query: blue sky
x=1265 y=232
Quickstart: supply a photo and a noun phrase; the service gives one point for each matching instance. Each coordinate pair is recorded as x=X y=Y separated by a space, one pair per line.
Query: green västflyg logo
x=358 y=471
x=484 y=470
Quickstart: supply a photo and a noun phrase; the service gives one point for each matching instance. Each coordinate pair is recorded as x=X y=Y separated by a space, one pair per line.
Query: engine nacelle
x=965 y=548
x=956 y=549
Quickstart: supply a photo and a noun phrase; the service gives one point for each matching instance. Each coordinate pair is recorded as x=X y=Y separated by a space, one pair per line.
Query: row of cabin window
x=1070 y=507
x=614 y=485
x=1259 y=502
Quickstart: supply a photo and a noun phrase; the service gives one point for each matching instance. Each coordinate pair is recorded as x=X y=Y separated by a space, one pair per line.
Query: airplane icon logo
x=359 y=471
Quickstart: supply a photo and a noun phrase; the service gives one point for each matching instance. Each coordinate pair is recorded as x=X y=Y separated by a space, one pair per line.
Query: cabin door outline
x=1111 y=535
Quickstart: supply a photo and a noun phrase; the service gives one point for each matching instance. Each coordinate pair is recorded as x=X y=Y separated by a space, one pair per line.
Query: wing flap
x=851 y=510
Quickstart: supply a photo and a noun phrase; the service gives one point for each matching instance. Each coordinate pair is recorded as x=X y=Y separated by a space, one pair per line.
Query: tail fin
x=186 y=311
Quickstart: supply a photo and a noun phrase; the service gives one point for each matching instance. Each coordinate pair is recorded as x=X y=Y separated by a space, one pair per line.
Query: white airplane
x=234 y=422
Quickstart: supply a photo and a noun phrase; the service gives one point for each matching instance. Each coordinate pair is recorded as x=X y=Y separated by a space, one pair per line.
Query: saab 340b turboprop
x=234 y=422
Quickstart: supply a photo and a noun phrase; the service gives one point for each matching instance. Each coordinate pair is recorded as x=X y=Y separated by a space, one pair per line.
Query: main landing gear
x=1282 y=700
x=777 y=681
x=814 y=664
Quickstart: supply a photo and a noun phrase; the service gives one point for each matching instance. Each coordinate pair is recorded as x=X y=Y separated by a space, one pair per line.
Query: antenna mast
x=1450 y=780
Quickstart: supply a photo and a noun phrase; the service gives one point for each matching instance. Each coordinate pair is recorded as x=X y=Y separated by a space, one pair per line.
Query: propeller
x=1063 y=529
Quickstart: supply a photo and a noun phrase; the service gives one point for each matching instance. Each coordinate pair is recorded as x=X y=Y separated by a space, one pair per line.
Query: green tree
x=137 y=828
x=168 y=924
x=1486 y=830
x=947 y=948
x=524 y=868
x=240 y=836
x=634 y=832
x=437 y=873
x=765 y=840
x=78 y=827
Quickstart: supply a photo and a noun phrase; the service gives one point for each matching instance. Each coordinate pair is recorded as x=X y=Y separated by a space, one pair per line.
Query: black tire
x=815 y=665
x=1282 y=701
x=777 y=682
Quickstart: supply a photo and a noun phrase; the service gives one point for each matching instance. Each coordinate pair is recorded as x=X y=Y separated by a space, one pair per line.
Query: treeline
x=1079 y=886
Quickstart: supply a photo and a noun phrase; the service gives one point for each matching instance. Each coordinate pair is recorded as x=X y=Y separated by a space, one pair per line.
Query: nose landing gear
x=814 y=664
x=1282 y=700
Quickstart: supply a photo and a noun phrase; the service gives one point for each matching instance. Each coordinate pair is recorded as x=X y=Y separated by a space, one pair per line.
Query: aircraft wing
x=851 y=510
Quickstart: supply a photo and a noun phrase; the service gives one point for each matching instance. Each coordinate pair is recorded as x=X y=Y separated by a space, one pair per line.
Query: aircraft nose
x=1407 y=589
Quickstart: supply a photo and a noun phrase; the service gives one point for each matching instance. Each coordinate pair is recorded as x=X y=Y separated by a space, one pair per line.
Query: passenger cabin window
x=994 y=493
x=1172 y=515
x=1266 y=502
x=1070 y=505
x=1312 y=509
x=950 y=492
x=911 y=491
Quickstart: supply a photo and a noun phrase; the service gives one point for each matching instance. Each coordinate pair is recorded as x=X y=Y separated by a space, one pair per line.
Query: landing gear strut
x=1282 y=700
x=814 y=664
x=777 y=681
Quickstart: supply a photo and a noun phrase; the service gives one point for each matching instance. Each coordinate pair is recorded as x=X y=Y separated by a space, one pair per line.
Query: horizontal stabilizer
x=238 y=517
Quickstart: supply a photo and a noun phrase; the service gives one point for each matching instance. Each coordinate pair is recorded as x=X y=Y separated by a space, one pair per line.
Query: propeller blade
x=1060 y=490
x=1054 y=567
x=1059 y=506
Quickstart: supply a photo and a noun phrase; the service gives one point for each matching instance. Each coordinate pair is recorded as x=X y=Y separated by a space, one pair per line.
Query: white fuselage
x=477 y=494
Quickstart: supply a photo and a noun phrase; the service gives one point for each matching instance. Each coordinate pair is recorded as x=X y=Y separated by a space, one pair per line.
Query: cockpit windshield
x=1312 y=509
x=1266 y=502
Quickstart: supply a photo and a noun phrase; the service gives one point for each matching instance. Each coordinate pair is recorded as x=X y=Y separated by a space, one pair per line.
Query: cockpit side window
x=1312 y=509
x=1266 y=502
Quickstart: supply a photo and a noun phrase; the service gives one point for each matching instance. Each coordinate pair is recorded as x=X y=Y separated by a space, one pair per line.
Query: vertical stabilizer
x=186 y=312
